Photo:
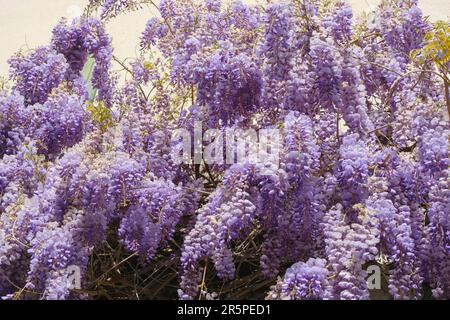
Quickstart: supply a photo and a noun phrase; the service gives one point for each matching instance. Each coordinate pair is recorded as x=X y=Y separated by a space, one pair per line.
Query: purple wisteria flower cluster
x=86 y=152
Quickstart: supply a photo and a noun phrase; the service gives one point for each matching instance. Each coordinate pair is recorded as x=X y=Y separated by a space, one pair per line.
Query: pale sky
x=28 y=23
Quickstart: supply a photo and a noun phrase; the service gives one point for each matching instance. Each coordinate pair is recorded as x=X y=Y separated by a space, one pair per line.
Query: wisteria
x=303 y=281
x=358 y=177
x=37 y=74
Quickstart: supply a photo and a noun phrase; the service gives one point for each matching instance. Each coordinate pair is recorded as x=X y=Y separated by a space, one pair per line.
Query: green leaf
x=87 y=73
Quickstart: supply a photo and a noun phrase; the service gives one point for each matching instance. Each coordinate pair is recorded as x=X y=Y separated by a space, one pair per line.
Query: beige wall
x=28 y=23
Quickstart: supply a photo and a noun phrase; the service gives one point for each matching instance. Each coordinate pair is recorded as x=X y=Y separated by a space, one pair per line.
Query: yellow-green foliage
x=149 y=65
x=437 y=45
x=100 y=115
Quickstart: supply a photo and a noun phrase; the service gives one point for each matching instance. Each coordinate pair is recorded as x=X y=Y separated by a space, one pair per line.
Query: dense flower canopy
x=86 y=154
